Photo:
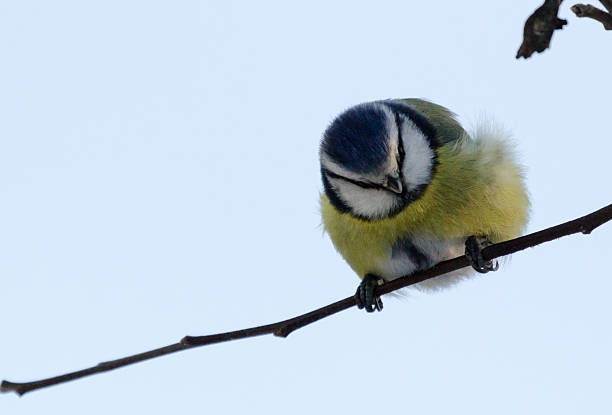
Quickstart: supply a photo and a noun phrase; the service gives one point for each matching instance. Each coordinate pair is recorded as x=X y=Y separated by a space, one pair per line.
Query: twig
x=539 y=28
x=595 y=13
x=283 y=328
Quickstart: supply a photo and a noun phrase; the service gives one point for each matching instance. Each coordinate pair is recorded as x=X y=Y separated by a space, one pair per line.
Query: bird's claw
x=365 y=296
x=473 y=251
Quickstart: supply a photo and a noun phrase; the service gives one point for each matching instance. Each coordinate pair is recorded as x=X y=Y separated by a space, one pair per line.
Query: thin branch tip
x=595 y=13
x=7 y=387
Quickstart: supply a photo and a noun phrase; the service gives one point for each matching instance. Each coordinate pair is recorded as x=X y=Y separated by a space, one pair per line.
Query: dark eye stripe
x=365 y=185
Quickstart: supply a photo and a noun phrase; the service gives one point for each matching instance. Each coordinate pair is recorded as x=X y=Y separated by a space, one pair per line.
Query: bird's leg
x=365 y=295
x=473 y=251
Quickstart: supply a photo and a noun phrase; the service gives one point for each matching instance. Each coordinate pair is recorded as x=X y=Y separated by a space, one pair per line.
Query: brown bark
x=592 y=12
x=539 y=29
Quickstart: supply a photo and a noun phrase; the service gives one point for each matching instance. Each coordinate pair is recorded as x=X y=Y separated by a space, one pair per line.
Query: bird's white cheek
x=419 y=156
x=371 y=203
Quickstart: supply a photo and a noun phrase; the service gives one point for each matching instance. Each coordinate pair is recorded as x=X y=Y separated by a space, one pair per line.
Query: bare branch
x=607 y=4
x=585 y=224
x=592 y=12
x=539 y=28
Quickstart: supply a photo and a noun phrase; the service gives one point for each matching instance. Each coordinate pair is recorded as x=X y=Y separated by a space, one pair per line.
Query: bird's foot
x=365 y=295
x=473 y=251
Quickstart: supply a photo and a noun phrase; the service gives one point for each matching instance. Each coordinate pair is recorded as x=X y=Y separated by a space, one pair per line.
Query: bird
x=405 y=187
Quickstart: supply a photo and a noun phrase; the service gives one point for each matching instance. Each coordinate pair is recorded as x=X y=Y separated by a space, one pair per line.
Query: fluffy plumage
x=454 y=186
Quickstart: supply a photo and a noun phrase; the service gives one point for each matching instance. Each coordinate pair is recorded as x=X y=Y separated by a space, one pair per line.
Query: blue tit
x=406 y=187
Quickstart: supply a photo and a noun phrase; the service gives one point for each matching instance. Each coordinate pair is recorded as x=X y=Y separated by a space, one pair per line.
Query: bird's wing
x=447 y=127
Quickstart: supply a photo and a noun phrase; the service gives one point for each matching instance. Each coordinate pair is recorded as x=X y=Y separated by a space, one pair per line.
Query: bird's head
x=376 y=158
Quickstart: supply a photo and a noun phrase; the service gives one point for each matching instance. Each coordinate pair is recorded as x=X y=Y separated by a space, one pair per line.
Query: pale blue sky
x=160 y=178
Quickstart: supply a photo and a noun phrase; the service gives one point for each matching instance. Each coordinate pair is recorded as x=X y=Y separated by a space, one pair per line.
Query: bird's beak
x=394 y=184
